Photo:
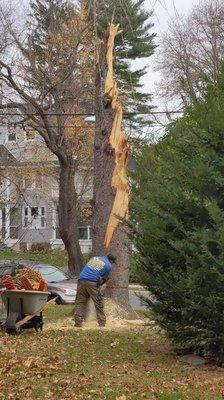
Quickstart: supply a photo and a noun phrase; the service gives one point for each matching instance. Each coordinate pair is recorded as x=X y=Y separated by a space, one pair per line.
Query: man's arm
x=106 y=274
x=102 y=281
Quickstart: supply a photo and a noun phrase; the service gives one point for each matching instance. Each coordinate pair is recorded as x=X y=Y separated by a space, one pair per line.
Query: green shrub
x=134 y=271
x=177 y=217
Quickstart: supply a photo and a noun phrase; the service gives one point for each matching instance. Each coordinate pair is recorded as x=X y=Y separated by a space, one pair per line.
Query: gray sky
x=163 y=11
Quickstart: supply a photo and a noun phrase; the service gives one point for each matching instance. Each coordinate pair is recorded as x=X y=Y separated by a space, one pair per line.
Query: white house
x=29 y=192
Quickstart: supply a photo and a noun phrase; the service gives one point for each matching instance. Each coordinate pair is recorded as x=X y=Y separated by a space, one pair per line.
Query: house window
x=34 y=217
x=85 y=233
x=56 y=223
x=14 y=222
x=42 y=217
x=57 y=234
x=3 y=223
x=34 y=212
x=12 y=137
x=25 y=219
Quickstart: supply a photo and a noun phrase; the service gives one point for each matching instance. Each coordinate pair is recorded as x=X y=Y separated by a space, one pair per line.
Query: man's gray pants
x=88 y=290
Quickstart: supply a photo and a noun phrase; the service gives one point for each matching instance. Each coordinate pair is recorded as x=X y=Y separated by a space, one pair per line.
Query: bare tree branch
x=191 y=52
x=45 y=80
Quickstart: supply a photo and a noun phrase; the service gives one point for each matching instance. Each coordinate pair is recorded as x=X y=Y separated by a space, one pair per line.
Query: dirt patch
x=117 y=319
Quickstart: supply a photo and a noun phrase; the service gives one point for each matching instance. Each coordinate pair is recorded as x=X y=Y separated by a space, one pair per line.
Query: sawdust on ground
x=117 y=319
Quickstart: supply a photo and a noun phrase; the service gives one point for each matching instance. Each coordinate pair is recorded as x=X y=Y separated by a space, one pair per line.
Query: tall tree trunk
x=68 y=220
x=104 y=194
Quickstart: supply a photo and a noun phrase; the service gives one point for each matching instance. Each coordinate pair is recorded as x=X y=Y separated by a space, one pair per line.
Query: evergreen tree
x=178 y=217
x=46 y=19
x=45 y=15
x=135 y=42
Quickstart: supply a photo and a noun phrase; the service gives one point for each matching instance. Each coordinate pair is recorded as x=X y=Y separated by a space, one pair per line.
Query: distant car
x=58 y=282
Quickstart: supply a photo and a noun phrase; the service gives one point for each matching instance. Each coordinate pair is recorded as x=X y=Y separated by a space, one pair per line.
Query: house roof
x=6 y=158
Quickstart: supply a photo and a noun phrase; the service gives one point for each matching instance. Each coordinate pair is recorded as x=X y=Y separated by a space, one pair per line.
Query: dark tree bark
x=68 y=222
x=46 y=91
x=104 y=194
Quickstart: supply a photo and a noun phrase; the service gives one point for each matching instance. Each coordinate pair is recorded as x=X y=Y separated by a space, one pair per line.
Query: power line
x=125 y=114
x=57 y=126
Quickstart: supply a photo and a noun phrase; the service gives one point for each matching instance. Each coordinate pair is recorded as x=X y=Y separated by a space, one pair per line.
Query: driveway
x=135 y=301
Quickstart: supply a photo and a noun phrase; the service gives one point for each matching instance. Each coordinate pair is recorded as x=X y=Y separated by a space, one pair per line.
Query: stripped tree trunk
x=104 y=194
x=68 y=221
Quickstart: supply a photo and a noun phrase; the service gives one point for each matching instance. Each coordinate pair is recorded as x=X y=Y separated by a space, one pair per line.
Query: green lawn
x=74 y=364
x=54 y=257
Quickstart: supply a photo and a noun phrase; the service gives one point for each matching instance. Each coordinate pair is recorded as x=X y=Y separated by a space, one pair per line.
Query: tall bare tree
x=191 y=51
x=43 y=76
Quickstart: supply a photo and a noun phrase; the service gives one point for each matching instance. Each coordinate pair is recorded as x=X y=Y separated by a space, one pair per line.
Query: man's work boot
x=78 y=325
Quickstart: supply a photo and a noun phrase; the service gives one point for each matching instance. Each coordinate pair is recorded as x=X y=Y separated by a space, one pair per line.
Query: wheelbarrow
x=23 y=309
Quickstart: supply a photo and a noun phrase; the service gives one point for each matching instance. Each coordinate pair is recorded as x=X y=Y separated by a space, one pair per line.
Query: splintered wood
x=118 y=141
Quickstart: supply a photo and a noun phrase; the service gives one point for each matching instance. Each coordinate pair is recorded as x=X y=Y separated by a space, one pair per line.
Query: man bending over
x=94 y=274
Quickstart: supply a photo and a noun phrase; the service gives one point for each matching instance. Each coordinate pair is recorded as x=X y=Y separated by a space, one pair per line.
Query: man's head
x=111 y=258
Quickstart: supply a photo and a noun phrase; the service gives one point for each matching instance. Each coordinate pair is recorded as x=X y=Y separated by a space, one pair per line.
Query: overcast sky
x=163 y=11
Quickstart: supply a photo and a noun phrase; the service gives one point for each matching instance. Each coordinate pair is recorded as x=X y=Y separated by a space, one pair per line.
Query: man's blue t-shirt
x=96 y=268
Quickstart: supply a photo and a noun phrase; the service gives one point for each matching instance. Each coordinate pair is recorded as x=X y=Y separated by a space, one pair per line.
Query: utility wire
x=57 y=126
x=127 y=114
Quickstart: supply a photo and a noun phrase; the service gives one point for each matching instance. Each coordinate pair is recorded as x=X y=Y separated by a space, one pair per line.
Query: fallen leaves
x=9 y=365
x=95 y=392
x=114 y=343
x=95 y=365
x=28 y=362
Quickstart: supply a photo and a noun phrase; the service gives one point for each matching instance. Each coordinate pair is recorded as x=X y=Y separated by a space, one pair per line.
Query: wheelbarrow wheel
x=10 y=327
x=13 y=330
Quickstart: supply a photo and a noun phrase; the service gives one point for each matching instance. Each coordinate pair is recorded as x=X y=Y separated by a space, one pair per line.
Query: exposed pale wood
x=106 y=174
x=118 y=143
